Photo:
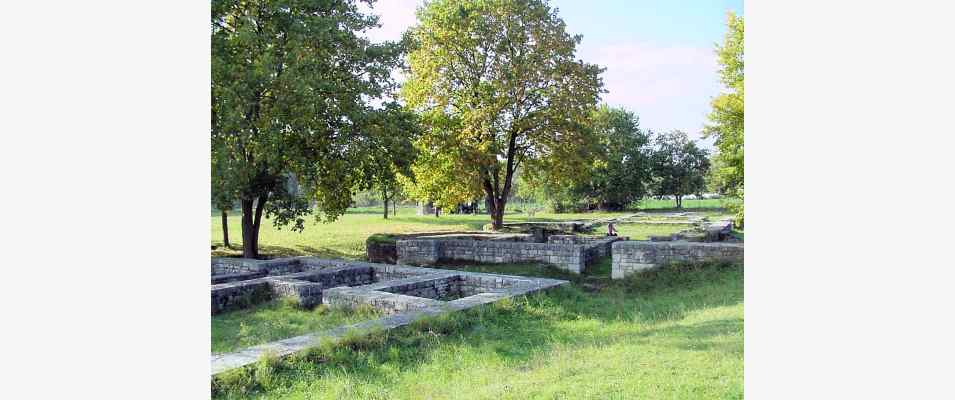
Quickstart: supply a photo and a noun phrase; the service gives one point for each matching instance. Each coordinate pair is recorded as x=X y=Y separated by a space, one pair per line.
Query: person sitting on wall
x=610 y=230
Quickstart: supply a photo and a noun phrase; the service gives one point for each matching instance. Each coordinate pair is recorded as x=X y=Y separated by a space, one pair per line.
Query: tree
x=621 y=168
x=290 y=86
x=499 y=86
x=679 y=166
x=222 y=199
x=726 y=119
x=391 y=153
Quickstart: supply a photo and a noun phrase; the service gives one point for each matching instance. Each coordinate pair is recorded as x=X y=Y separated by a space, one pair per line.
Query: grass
x=666 y=334
x=276 y=320
x=345 y=238
x=688 y=204
x=673 y=333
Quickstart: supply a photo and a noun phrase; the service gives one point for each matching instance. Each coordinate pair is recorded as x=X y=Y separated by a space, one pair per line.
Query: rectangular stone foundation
x=405 y=294
x=572 y=255
x=634 y=256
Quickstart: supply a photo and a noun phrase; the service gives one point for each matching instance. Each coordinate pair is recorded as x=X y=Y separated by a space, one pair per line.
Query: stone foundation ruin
x=567 y=252
x=635 y=256
x=405 y=294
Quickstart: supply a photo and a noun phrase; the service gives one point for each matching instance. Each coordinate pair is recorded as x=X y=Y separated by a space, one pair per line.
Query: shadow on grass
x=684 y=209
x=521 y=329
x=269 y=252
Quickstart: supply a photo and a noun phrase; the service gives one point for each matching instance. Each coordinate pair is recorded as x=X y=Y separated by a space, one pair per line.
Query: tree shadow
x=272 y=251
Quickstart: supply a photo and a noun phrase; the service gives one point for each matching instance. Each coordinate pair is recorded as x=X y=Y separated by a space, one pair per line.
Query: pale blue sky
x=659 y=55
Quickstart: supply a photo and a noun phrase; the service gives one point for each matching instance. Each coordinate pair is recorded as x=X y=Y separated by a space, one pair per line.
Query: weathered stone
x=572 y=255
x=406 y=293
x=634 y=256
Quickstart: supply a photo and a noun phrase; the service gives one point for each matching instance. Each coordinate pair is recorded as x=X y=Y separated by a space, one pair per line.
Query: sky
x=659 y=55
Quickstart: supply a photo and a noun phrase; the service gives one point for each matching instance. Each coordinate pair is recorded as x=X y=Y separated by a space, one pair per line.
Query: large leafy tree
x=621 y=166
x=392 y=131
x=499 y=87
x=679 y=166
x=291 y=82
x=726 y=118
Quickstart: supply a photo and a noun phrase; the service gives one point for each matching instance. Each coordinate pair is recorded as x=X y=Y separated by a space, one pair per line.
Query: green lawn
x=668 y=335
x=675 y=333
x=277 y=320
x=688 y=204
x=345 y=238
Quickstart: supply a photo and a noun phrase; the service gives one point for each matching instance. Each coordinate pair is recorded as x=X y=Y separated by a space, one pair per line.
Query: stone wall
x=405 y=294
x=295 y=278
x=634 y=256
x=567 y=256
x=380 y=251
x=237 y=295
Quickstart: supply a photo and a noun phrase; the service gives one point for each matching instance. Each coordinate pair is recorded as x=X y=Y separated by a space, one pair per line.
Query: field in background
x=345 y=237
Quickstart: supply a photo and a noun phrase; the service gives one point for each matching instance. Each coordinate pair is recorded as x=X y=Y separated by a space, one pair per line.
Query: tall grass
x=670 y=334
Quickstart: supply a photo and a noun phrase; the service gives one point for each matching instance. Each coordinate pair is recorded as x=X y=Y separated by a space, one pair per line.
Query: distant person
x=610 y=230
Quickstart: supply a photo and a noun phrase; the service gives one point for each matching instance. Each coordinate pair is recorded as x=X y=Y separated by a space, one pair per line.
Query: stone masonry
x=634 y=256
x=240 y=283
x=569 y=256
x=406 y=294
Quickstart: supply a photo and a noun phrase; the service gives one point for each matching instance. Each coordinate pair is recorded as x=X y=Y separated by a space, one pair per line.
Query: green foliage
x=381 y=238
x=679 y=166
x=290 y=123
x=726 y=119
x=392 y=131
x=498 y=86
x=621 y=166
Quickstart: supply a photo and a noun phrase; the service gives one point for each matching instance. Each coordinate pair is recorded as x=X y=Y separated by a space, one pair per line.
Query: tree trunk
x=248 y=242
x=384 y=196
x=436 y=211
x=225 y=230
x=679 y=202
x=394 y=207
x=259 y=206
x=497 y=215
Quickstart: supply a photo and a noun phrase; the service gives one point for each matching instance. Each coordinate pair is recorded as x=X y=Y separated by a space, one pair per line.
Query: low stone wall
x=237 y=295
x=381 y=251
x=567 y=256
x=405 y=294
x=280 y=278
x=634 y=256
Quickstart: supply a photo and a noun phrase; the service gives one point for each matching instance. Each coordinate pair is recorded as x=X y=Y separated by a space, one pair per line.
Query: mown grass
x=276 y=320
x=674 y=333
x=688 y=204
x=345 y=238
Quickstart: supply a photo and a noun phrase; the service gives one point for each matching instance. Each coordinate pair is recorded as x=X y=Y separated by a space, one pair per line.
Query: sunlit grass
x=673 y=335
x=275 y=320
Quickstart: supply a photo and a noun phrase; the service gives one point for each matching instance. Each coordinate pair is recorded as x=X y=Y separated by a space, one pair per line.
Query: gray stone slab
x=404 y=309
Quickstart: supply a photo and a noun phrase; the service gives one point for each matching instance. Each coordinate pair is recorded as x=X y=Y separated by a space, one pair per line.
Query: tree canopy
x=726 y=118
x=621 y=164
x=291 y=82
x=498 y=86
x=679 y=166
